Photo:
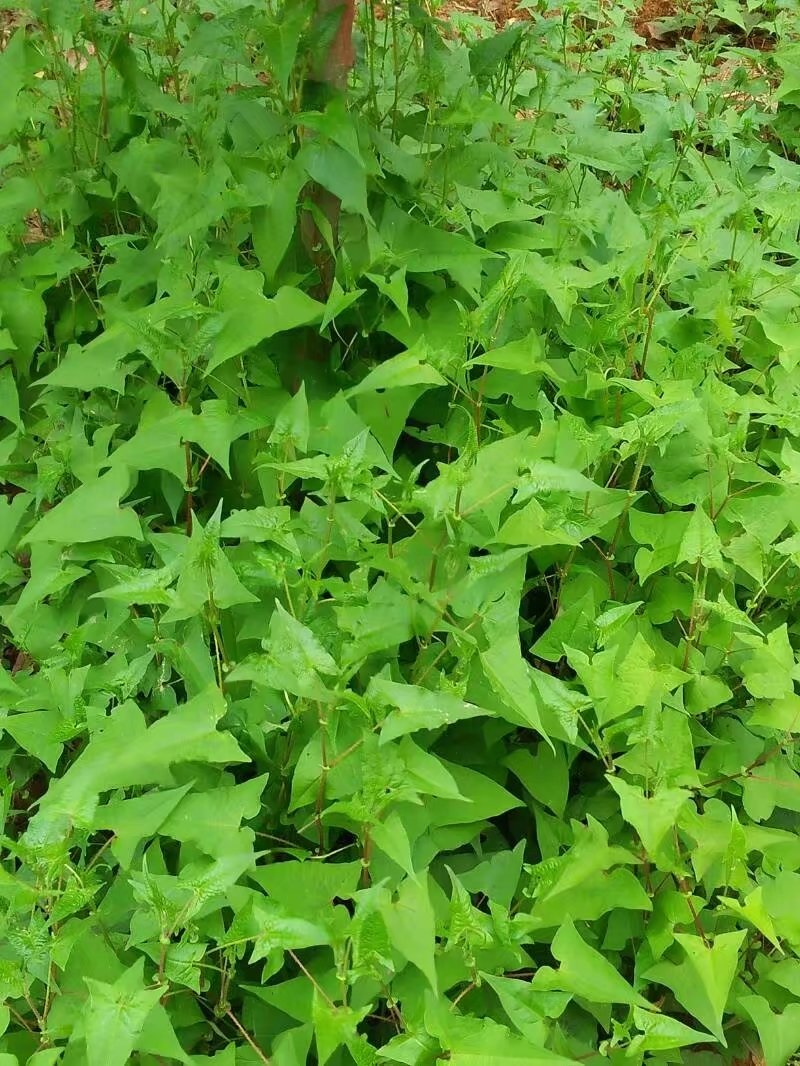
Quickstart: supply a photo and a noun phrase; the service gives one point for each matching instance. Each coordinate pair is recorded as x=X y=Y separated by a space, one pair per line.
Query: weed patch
x=399 y=533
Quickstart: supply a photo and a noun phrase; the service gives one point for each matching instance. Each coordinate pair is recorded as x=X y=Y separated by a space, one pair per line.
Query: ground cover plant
x=400 y=532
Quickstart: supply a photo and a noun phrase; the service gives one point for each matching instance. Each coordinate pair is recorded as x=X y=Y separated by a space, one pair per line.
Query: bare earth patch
x=649 y=22
x=498 y=11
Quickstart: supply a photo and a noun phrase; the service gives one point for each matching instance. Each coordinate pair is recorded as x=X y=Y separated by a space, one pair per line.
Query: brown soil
x=661 y=23
x=10 y=21
x=499 y=11
x=650 y=17
x=650 y=22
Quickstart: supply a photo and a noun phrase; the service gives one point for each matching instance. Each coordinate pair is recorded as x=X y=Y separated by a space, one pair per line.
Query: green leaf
x=129 y=752
x=292 y=427
x=509 y=1051
x=523 y=356
x=490 y=208
x=391 y=837
x=206 y=576
x=384 y=620
x=506 y=672
x=526 y=1006
x=307 y=888
x=702 y=981
x=132 y=820
x=619 y=679
x=399 y=372
x=659 y=1032
x=422 y=248
x=334 y=1025
x=653 y=817
x=398 y=534
x=271 y=927
x=700 y=543
x=532 y=527
x=417 y=708
x=586 y=882
x=212 y=818
x=252 y=317
x=114 y=1017
x=37 y=732
x=480 y=798
x=9 y=398
x=779 y=1033
x=293 y=661
x=544 y=774
x=769 y=671
x=411 y=924
x=274 y=221
x=97 y=364
x=752 y=909
x=584 y=972
x=336 y=170
x=90 y=513
x=394 y=288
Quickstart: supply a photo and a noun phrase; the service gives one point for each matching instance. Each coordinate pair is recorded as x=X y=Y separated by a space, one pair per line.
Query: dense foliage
x=400 y=536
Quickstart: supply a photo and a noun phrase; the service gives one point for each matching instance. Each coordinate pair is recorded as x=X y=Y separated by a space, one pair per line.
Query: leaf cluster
x=399 y=537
